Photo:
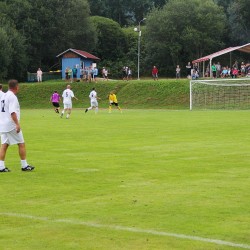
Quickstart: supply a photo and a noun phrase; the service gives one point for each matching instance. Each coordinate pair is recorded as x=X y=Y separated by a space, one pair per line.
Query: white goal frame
x=218 y=82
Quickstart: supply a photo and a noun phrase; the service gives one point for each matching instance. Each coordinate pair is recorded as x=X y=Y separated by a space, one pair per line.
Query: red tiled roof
x=243 y=48
x=81 y=53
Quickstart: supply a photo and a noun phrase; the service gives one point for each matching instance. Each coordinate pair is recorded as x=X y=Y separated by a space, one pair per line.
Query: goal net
x=220 y=94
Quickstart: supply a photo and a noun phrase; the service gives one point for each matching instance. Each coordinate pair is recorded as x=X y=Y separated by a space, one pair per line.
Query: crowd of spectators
x=237 y=70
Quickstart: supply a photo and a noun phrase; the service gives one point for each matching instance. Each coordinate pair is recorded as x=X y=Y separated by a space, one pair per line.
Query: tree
x=239 y=13
x=13 y=57
x=50 y=27
x=111 y=39
x=124 y=12
x=183 y=30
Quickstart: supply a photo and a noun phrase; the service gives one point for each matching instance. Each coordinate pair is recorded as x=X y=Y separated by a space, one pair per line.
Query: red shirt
x=154 y=71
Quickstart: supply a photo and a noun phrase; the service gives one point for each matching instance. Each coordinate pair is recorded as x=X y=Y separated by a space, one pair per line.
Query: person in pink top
x=55 y=99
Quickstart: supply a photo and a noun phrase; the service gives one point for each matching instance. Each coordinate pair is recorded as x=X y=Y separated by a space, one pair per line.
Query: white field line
x=128 y=229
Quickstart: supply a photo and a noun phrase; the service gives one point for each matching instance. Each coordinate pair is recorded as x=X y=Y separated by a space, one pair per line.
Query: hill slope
x=169 y=94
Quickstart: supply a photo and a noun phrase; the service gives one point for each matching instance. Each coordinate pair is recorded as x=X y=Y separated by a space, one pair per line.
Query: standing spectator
x=39 y=74
x=69 y=74
x=81 y=74
x=67 y=101
x=189 y=68
x=95 y=74
x=235 y=65
x=55 y=99
x=235 y=72
x=243 y=69
x=218 y=69
x=103 y=73
x=74 y=71
x=129 y=74
x=214 y=70
x=106 y=74
x=178 y=72
x=155 y=73
x=1 y=91
x=10 y=129
x=124 y=73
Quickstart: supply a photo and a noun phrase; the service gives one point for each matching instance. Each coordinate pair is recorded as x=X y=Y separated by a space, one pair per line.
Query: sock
x=110 y=109
x=24 y=163
x=2 y=166
x=96 y=109
x=67 y=116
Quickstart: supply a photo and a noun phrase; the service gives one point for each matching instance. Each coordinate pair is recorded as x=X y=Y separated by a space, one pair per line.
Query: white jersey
x=67 y=96
x=93 y=96
x=9 y=104
x=1 y=94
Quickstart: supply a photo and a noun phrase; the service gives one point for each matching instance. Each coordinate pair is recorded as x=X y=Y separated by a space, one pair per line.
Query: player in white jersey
x=93 y=101
x=10 y=129
x=1 y=90
x=67 y=101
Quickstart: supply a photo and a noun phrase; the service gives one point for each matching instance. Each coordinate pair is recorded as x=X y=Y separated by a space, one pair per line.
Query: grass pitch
x=144 y=179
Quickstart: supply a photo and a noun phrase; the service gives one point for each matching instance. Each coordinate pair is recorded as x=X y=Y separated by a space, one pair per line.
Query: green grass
x=170 y=171
x=165 y=94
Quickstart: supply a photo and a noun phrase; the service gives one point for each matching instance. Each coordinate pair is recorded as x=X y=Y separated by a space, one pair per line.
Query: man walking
x=10 y=129
x=67 y=101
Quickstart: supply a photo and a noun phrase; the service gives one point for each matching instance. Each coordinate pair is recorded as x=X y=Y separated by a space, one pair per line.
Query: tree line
x=33 y=32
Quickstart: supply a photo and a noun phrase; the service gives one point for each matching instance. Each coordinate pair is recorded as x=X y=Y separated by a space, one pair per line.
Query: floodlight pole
x=139 y=47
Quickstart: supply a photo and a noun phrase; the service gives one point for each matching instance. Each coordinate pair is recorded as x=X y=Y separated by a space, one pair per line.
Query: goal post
x=220 y=94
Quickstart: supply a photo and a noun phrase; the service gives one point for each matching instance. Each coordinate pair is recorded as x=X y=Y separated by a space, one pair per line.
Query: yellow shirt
x=112 y=98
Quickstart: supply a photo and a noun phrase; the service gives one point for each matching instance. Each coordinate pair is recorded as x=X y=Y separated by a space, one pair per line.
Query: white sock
x=2 y=166
x=24 y=163
x=67 y=116
x=96 y=109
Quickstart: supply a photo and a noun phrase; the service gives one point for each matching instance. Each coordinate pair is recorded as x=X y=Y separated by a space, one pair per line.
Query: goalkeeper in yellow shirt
x=113 y=101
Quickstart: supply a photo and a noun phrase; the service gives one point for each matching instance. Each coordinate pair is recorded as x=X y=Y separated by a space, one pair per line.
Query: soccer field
x=144 y=179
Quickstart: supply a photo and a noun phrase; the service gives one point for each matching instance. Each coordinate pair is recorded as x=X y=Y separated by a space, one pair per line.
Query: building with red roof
x=76 y=58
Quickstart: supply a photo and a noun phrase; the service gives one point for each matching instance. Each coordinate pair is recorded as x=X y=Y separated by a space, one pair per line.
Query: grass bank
x=167 y=94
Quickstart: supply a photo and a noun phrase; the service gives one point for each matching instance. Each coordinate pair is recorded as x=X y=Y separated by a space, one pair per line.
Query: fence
x=31 y=77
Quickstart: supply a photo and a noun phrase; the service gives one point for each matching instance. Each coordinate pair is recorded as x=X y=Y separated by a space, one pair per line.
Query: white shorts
x=12 y=137
x=67 y=105
x=94 y=103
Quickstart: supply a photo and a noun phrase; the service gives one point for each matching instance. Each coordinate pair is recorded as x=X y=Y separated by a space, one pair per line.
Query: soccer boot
x=28 y=168
x=5 y=170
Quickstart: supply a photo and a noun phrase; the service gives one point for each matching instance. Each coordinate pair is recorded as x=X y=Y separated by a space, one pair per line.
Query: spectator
x=235 y=65
x=195 y=75
x=95 y=74
x=235 y=72
x=224 y=72
x=178 y=72
x=69 y=74
x=155 y=73
x=39 y=74
x=189 y=68
x=243 y=69
x=214 y=70
x=124 y=73
x=103 y=73
x=74 y=72
x=218 y=69
x=129 y=74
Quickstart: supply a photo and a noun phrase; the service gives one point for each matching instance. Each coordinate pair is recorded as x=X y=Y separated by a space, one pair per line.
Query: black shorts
x=56 y=104
x=114 y=103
